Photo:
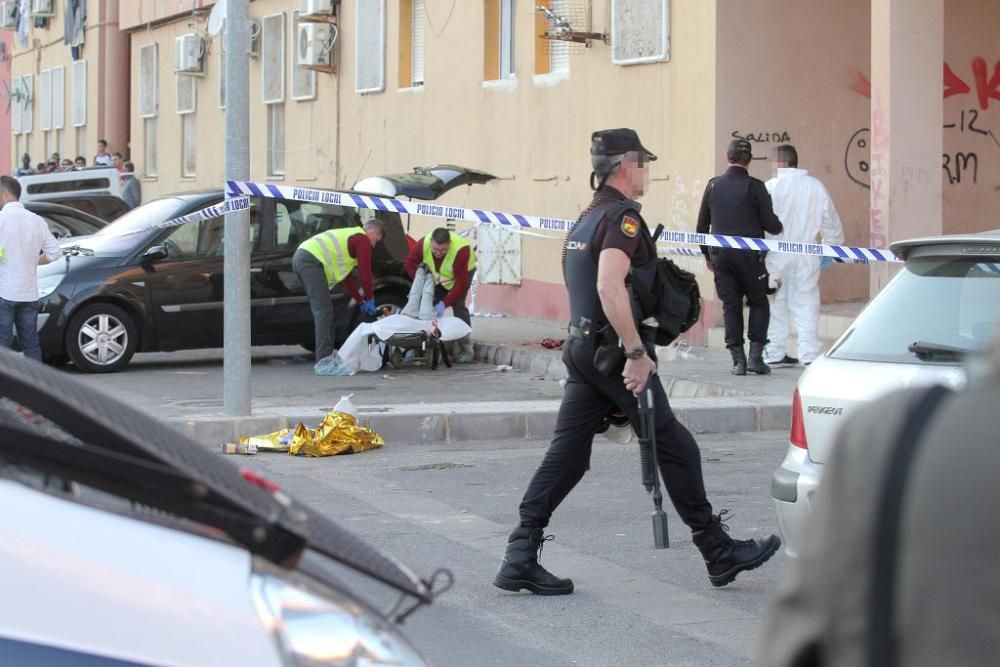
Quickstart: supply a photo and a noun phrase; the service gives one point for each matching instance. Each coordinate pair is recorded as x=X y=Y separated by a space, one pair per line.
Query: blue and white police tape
x=238 y=191
x=215 y=211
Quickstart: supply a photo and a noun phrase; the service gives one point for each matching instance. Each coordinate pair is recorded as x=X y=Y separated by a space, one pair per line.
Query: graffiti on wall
x=878 y=233
x=959 y=166
x=776 y=137
x=985 y=83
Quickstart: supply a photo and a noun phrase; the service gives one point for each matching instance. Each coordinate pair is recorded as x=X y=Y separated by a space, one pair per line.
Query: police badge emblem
x=630 y=226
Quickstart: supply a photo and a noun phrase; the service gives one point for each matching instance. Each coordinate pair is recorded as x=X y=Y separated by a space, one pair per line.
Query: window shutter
x=639 y=31
x=369 y=70
x=148 y=94
x=419 y=21
x=78 y=115
x=45 y=121
x=303 y=80
x=17 y=107
x=58 y=98
x=272 y=59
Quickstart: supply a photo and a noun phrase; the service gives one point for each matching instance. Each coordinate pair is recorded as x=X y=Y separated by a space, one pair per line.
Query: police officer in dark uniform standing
x=610 y=239
x=737 y=204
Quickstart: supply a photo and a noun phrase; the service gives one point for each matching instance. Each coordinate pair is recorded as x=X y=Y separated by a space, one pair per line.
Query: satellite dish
x=217 y=19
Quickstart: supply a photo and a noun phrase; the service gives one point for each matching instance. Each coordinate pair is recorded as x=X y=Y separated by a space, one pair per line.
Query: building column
x=906 y=118
x=113 y=69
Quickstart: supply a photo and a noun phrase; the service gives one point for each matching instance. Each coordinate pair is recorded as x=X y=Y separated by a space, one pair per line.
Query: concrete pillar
x=112 y=70
x=906 y=118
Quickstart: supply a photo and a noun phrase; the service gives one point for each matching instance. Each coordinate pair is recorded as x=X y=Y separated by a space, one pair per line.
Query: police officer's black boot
x=519 y=569
x=756 y=363
x=726 y=557
x=739 y=360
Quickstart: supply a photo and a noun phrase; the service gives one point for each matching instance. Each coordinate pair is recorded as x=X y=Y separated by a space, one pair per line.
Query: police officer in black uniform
x=610 y=239
x=737 y=204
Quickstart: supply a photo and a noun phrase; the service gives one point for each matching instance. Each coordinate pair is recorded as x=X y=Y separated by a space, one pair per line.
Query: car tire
x=57 y=360
x=101 y=338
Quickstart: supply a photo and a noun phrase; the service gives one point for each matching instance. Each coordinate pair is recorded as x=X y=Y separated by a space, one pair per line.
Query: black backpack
x=673 y=299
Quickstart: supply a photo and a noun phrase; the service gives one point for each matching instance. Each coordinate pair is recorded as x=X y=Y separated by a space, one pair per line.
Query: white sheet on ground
x=356 y=353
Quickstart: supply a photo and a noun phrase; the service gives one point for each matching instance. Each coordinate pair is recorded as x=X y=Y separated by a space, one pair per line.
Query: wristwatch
x=636 y=353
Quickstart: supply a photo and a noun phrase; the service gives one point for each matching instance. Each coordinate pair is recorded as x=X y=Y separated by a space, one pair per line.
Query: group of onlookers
x=57 y=163
x=131 y=190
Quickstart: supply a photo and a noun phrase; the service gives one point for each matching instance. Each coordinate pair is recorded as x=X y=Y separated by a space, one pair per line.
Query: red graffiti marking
x=986 y=90
x=987 y=87
x=861 y=85
x=952 y=84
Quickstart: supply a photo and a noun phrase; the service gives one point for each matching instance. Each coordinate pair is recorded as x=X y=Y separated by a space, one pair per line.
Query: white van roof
x=90 y=180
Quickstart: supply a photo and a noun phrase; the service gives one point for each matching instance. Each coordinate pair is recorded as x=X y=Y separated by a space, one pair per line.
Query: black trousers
x=739 y=275
x=460 y=308
x=589 y=397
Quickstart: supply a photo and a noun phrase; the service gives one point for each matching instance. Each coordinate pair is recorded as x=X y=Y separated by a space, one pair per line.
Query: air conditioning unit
x=190 y=54
x=316 y=7
x=8 y=14
x=315 y=45
x=43 y=8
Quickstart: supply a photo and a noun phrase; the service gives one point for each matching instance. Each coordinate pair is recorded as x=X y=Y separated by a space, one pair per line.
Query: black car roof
x=48 y=207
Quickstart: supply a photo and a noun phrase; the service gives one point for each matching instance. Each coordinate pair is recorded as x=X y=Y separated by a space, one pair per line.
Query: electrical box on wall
x=315 y=45
x=310 y=8
x=43 y=8
x=190 y=54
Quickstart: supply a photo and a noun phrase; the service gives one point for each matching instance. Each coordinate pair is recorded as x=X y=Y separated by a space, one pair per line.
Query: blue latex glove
x=439 y=308
x=826 y=262
x=368 y=307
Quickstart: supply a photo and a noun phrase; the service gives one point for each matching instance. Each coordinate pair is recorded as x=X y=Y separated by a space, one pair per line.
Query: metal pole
x=236 y=306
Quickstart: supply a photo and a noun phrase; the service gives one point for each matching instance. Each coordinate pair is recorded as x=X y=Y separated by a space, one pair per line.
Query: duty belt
x=585 y=329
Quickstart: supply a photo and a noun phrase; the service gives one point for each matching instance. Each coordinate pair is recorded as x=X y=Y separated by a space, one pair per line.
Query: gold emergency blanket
x=338 y=433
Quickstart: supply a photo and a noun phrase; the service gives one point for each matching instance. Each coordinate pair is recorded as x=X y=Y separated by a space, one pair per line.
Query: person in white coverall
x=807 y=212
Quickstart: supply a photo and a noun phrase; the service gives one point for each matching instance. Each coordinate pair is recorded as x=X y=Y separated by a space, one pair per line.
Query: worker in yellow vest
x=452 y=263
x=327 y=259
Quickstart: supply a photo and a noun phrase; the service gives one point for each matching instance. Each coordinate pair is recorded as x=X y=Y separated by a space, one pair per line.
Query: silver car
x=936 y=312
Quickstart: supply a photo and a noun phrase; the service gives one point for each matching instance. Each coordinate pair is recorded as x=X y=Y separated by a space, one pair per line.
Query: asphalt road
x=452 y=506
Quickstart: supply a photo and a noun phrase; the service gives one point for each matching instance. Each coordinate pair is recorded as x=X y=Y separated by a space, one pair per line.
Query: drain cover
x=437 y=466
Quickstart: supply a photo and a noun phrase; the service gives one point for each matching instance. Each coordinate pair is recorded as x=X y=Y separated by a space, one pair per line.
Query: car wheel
x=56 y=360
x=101 y=338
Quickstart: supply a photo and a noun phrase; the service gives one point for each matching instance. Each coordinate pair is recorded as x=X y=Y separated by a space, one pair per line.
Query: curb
x=544 y=363
x=515 y=420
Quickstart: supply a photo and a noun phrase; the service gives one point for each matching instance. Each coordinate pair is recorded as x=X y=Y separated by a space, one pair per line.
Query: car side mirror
x=154 y=253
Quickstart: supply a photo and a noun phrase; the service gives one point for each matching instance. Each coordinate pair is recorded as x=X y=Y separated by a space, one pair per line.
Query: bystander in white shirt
x=22 y=235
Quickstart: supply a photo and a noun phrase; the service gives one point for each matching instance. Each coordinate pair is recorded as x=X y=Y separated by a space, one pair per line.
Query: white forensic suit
x=807 y=212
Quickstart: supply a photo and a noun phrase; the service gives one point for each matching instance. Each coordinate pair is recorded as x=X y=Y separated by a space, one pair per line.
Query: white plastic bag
x=345 y=405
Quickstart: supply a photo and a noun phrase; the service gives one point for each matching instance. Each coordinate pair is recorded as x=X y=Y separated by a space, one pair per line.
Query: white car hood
x=92 y=581
x=831 y=389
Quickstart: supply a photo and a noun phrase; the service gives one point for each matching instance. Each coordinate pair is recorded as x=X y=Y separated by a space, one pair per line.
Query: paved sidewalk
x=415 y=404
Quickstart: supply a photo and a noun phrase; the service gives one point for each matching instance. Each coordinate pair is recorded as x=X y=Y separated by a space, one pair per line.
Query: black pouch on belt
x=609 y=357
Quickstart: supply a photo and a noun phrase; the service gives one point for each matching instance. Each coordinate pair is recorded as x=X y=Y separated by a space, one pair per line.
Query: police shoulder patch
x=630 y=226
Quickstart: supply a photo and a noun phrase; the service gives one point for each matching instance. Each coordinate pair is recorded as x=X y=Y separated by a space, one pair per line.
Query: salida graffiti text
x=779 y=137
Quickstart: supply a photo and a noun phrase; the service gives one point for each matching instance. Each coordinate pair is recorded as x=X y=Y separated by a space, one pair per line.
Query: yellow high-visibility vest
x=445 y=276
x=330 y=248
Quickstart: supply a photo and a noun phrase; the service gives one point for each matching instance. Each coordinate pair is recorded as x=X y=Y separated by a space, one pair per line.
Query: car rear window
x=947 y=301
x=68 y=186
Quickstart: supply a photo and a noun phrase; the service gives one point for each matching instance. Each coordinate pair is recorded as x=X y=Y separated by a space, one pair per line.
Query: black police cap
x=616 y=142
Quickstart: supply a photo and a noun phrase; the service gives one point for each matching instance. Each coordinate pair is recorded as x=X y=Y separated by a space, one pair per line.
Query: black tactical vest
x=580 y=267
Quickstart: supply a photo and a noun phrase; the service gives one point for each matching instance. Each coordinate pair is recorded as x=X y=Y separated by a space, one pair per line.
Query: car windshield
x=944 y=305
x=141 y=218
